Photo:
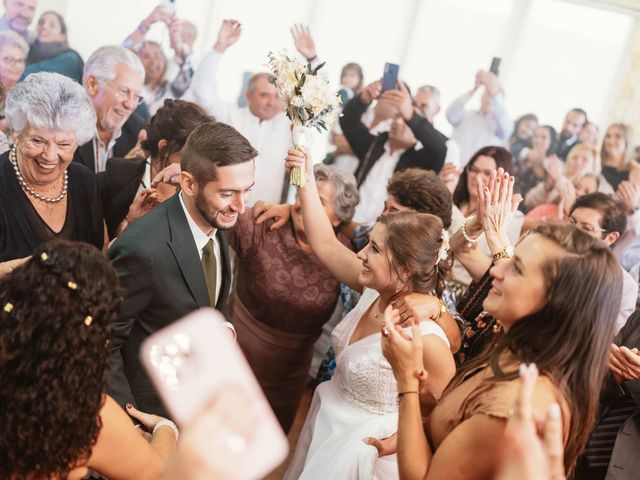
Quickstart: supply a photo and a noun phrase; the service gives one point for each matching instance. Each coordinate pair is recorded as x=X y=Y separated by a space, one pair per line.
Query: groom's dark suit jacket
x=161 y=275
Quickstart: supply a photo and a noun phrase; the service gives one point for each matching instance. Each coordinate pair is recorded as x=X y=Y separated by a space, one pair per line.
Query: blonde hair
x=596 y=167
x=627 y=131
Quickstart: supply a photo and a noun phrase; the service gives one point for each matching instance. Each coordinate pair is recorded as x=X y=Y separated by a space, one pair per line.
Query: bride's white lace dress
x=360 y=401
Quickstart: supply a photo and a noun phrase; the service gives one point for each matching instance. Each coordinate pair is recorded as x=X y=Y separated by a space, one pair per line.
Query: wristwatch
x=506 y=252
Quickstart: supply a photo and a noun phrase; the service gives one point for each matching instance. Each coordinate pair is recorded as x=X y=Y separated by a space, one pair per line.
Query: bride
x=407 y=252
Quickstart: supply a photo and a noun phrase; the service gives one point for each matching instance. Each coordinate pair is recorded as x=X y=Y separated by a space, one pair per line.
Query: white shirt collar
x=199 y=236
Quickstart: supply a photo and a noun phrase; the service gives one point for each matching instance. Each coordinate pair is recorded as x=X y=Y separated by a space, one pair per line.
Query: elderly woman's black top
x=22 y=229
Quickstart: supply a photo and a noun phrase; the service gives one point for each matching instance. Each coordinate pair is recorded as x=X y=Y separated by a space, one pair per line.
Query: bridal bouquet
x=308 y=100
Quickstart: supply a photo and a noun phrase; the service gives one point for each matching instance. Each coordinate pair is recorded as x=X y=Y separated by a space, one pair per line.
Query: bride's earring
x=398 y=286
x=497 y=327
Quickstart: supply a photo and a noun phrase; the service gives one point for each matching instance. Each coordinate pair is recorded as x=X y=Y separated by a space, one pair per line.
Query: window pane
x=562 y=64
x=453 y=39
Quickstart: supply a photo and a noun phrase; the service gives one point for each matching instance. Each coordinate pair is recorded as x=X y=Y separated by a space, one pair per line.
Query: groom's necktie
x=210 y=270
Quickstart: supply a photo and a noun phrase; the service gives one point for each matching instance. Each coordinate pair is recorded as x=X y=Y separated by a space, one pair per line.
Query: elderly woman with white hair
x=43 y=194
x=284 y=293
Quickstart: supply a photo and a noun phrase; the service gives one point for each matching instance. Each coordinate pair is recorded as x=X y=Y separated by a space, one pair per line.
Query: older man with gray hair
x=113 y=79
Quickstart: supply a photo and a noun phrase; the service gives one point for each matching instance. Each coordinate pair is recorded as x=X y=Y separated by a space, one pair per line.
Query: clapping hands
x=496 y=203
x=624 y=363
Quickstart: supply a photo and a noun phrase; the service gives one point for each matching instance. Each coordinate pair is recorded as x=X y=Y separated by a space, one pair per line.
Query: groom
x=175 y=259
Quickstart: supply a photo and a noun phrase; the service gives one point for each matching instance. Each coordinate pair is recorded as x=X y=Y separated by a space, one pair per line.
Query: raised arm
x=434 y=144
x=203 y=88
x=343 y=264
x=496 y=206
x=304 y=42
x=455 y=112
x=161 y=13
x=356 y=132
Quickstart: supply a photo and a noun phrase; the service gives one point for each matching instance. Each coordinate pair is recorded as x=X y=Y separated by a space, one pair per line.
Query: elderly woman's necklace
x=27 y=188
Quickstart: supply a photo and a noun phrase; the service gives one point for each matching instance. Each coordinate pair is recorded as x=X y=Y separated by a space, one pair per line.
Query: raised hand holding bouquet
x=307 y=99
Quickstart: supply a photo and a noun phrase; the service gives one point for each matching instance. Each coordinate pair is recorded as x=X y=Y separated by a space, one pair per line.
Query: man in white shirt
x=262 y=121
x=113 y=77
x=490 y=126
x=175 y=259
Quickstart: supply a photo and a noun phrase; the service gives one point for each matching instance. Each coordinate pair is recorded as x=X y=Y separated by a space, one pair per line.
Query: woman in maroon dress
x=284 y=294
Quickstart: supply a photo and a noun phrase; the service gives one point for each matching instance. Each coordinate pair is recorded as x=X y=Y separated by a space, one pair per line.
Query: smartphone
x=495 y=65
x=190 y=360
x=390 y=76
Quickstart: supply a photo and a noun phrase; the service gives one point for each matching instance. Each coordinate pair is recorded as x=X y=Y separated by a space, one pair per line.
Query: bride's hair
x=414 y=240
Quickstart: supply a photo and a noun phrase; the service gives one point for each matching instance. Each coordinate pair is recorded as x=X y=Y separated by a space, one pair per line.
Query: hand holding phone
x=190 y=362
x=390 y=76
x=495 y=65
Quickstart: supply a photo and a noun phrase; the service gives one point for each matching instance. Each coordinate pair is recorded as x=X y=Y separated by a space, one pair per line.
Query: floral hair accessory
x=443 y=253
x=8 y=307
x=87 y=320
x=44 y=257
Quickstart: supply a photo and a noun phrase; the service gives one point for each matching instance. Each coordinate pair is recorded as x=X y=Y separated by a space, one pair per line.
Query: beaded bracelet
x=470 y=241
x=166 y=423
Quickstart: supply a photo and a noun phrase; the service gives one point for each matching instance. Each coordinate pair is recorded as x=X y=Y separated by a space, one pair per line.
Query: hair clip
x=72 y=285
x=8 y=307
x=87 y=320
x=443 y=252
x=44 y=257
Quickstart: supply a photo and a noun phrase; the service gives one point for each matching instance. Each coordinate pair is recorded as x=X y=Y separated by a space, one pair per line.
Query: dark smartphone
x=390 y=76
x=495 y=65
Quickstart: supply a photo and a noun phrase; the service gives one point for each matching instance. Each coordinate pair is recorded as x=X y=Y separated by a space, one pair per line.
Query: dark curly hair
x=56 y=312
x=173 y=122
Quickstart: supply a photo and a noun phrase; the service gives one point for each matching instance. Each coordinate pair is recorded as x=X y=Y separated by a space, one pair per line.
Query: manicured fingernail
x=129 y=406
x=554 y=411
x=523 y=369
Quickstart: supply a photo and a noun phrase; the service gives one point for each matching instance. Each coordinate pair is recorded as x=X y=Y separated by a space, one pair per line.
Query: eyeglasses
x=13 y=61
x=586 y=227
x=125 y=94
